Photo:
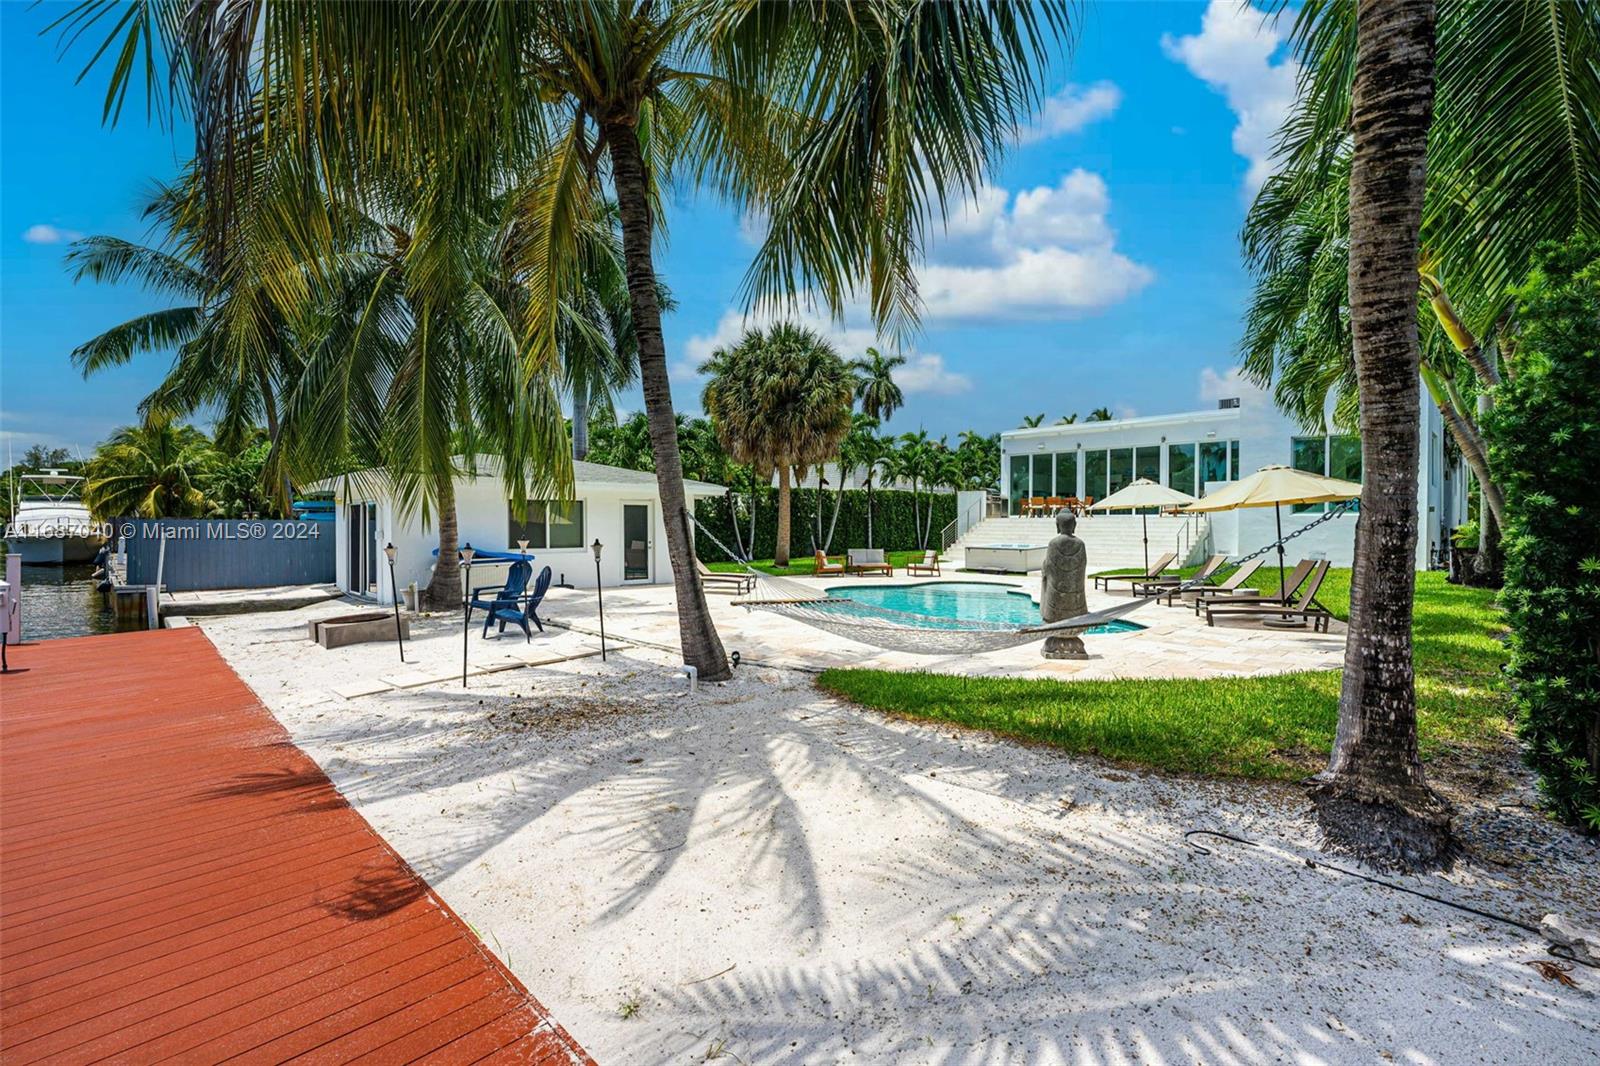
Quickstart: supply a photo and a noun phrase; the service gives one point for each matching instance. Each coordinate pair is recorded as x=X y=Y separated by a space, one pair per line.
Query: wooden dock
x=180 y=883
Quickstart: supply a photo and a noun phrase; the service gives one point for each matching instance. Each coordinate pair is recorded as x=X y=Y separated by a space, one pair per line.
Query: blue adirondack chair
x=518 y=607
x=489 y=597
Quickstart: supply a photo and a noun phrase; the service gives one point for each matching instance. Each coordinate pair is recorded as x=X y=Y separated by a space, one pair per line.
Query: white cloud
x=1072 y=109
x=44 y=233
x=926 y=372
x=1233 y=53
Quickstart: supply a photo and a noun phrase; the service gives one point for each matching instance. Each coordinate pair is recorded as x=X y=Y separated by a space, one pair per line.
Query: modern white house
x=618 y=507
x=1195 y=451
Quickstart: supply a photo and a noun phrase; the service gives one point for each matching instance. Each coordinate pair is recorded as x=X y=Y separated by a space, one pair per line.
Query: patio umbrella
x=1142 y=493
x=1274 y=486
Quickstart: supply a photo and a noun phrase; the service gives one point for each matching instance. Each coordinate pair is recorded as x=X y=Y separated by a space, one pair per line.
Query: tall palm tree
x=876 y=390
x=873 y=453
x=1032 y=421
x=850 y=134
x=1373 y=799
x=1067 y=420
x=151 y=470
x=1100 y=414
x=780 y=399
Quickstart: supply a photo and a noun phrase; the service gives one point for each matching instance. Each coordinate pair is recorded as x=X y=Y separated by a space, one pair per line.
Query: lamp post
x=390 y=551
x=599 y=601
x=464 y=556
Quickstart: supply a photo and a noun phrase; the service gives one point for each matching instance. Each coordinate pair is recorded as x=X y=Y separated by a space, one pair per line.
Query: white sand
x=762 y=873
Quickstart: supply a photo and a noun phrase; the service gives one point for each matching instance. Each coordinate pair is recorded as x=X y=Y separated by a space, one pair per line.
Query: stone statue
x=1066 y=563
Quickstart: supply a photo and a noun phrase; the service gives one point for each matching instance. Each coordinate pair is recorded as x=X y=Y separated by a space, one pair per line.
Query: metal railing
x=966 y=520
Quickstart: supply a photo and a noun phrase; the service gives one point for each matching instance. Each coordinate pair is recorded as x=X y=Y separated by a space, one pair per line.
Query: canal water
x=61 y=601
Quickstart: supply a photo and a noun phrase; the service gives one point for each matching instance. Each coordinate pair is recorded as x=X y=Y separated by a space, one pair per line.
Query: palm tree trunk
x=702 y=648
x=1462 y=428
x=444 y=590
x=916 y=507
x=780 y=551
x=580 y=420
x=1372 y=800
x=833 y=523
x=869 y=508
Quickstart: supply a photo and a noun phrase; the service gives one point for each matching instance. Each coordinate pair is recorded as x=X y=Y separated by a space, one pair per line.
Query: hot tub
x=1005 y=558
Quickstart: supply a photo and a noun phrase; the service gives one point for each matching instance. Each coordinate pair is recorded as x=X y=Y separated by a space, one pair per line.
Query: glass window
x=1044 y=472
x=1121 y=469
x=548 y=525
x=1180 y=468
x=1066 y=473
x=1234 y=445
x=1147 y=463
x=1094 y=474
x=1019 y=482
x=1344 y=461
x=1213 y=463
x=1311 y=455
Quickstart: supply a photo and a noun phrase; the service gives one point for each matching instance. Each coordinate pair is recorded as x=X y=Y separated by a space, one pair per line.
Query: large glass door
x=636 y=542
x=361 y=520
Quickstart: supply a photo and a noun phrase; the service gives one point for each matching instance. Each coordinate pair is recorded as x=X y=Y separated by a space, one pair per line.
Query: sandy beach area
x=760 y=873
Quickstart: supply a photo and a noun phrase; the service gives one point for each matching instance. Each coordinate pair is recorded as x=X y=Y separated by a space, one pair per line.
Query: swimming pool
x=955 y=604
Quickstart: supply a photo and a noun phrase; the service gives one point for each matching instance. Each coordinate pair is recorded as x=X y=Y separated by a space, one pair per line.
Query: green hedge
x=893 y=528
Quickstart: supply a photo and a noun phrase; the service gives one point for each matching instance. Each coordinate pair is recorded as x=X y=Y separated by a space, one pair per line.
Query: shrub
x=893 y=527
x=1544 y=439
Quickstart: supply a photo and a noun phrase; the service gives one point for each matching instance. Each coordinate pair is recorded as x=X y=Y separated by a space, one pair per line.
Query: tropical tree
x=978 y=457
x=780 y=399
x=1067 y=420
x=151 y=470
x=1032 y=421
x=1373 y=799
x=1100 y=414
x=873 y=454
x=876 y=390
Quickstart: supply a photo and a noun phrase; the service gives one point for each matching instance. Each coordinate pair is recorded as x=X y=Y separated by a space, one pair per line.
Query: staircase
x=1113 y=541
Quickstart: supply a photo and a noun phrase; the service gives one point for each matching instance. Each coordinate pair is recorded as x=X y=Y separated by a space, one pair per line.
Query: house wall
x=483 y=515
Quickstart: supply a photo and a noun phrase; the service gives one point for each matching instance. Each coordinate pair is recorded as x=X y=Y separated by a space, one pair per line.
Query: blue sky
x=1101 y=267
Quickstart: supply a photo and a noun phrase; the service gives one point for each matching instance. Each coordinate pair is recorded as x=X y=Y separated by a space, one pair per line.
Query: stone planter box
x=345 y=629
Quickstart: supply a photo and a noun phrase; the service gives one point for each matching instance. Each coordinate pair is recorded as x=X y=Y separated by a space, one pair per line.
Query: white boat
x=49 y=525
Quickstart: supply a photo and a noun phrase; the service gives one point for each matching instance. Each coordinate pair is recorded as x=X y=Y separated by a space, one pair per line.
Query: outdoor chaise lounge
x=1226 y=587
x=929 y=565
x=1305 y=605
x=825 y=567
x=867 y=561
x=1157 y=585
x=733 y=584
x=1282 y=596
x=1103 y=581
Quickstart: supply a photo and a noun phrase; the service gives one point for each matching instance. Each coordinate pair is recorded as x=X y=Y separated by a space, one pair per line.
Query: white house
x=618 y=507
x=1193 y=451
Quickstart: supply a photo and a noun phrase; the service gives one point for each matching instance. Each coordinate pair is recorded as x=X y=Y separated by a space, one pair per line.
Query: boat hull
x=54 y=551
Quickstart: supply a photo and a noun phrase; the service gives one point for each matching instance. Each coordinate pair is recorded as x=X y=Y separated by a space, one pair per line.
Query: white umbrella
x=1142 y=493
x=1274 y=486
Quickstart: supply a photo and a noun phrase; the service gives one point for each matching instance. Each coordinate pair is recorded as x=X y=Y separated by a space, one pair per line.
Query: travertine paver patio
x=1174 y=642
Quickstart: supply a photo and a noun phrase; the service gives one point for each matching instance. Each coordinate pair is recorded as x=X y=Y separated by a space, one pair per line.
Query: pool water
x=948 y=604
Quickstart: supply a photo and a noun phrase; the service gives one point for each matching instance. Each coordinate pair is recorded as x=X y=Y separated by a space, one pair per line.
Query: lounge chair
x=1283 y=595
x=1305 y=605
x=1157 y=585
x=512 y=602
x=929 y=565
x=824 y=567
x=1227 y=587
x=734 y=584
x=867 y=561
x=1103 y=581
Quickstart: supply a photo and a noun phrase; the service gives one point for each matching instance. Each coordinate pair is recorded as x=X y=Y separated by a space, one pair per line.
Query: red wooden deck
x=180 y=883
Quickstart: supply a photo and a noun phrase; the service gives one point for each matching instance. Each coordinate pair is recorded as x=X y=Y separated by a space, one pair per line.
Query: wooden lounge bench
x=824 y=567
x=1283 y=595
x=733 y=584
x=1103 y=581
x=929 y=565
x=867 y=561
x=1231 y=584
x=1305 y=606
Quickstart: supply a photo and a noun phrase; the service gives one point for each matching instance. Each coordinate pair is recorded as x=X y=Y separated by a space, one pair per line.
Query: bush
x=1465 y=535
x=893 y=527
x=1544 y=446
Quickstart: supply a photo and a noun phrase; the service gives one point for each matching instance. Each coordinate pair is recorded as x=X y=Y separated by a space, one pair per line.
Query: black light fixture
x=464 y=557
x=390 y=551
x=599 y=600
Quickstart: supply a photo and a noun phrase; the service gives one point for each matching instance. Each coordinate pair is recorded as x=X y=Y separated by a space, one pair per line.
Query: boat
x=49 y=524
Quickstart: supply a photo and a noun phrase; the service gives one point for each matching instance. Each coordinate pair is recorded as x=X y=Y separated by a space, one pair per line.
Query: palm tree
x=1100 y=414
x=151 y=470
x=1032 y=421
x=1373 y=799
x=873 y=453
x=780 y=399
x=817 y=122
x=876 y=390
x=1067 y=420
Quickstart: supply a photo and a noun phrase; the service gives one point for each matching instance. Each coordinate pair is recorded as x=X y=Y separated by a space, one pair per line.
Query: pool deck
x=182 y=883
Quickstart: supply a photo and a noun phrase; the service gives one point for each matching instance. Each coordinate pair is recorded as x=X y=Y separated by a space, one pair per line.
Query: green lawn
x=807 y=566
x=1270 y=727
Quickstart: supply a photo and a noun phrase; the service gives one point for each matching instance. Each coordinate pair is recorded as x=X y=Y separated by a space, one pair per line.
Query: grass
x=1259 y=727
x=807 y=567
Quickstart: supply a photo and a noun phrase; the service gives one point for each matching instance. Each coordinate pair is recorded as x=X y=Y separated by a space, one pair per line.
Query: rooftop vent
x=1232 y=401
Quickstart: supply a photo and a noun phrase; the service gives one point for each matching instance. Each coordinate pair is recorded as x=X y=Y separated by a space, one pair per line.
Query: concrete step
x=1112 y=541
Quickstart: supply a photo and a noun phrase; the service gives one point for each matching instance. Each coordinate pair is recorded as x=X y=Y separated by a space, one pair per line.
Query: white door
x=638 y=546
